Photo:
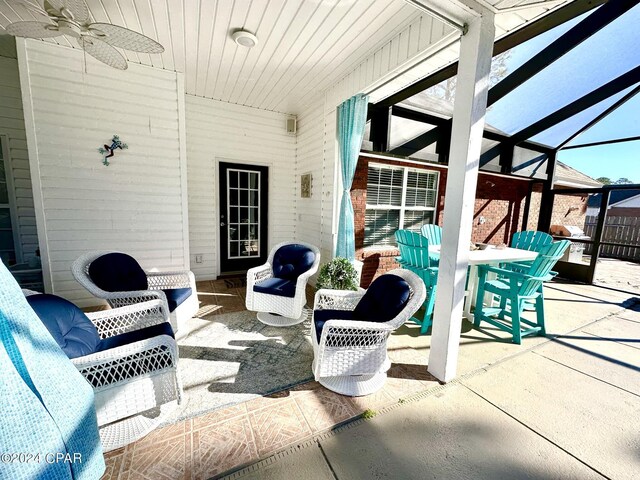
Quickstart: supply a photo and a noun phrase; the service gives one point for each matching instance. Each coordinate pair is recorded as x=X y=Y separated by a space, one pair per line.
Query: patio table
x=489 y=256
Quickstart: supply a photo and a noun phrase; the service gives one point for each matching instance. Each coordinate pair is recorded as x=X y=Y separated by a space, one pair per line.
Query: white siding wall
x=317 y=147
x=222 y=131
x=136 y=203
x=12 y=125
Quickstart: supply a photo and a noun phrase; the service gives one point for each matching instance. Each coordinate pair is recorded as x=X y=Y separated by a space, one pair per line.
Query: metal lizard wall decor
x=110 y=149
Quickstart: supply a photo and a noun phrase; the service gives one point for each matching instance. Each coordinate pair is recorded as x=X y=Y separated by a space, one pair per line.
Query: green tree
x=604 y=180
x=622 y=181
x=446 y=90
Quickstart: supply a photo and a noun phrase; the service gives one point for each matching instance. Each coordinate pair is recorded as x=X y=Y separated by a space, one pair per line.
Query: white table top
x=493 y=255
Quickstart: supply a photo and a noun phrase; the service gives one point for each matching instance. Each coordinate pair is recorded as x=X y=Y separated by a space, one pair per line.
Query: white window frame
x=402 y=207
x=258 y=225
x=13 y=211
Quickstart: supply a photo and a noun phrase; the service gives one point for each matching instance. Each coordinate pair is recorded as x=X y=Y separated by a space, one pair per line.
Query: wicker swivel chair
x=118 y=278
x=350 y=331
x=127 y=354
x=276 y=290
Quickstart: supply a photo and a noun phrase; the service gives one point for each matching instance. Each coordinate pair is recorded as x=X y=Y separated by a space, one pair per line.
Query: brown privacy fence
x=623 y=231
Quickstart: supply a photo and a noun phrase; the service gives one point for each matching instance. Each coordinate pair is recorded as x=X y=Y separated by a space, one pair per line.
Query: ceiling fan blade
x=34 y=6
x=103 y=52
x=77 y=8
x=125 y=38
x=33 y=30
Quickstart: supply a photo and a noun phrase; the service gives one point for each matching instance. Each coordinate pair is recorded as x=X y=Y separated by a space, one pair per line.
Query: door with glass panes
x=243 y=216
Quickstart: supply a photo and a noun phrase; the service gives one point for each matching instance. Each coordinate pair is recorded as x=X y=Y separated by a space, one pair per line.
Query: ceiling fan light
x=244 y=38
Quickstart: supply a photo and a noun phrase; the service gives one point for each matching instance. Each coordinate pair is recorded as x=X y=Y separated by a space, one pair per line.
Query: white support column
x=464 y=159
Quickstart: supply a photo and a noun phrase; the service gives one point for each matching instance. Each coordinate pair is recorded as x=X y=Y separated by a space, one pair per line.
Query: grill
x=574 y=253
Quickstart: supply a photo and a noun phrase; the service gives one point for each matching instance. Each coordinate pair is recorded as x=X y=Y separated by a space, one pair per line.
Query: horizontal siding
x=219 y=130
x=133 y=205
x=317 y=147
x=12 y=125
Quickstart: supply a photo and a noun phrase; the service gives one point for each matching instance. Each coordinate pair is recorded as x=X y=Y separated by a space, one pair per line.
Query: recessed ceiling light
x=244 y=38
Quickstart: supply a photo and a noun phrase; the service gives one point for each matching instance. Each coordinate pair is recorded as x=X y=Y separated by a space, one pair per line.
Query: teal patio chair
x=531 y=240
x=414 y=256
x=433 y=232
x=513 y=289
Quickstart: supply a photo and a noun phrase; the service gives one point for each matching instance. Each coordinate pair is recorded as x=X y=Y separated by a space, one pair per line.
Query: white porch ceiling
x=304 y=45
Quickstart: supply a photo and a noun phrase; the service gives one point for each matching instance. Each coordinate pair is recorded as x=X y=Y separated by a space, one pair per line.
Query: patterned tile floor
x=206 y=446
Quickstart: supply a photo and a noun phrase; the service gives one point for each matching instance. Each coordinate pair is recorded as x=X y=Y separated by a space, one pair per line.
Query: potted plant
x=338 y=274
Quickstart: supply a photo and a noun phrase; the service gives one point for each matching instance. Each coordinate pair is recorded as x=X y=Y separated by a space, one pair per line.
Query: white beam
x=464 y=160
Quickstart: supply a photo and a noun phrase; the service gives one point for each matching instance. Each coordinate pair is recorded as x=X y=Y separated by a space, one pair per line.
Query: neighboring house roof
x=567 y=176
x=631 y=202
x=616 y=196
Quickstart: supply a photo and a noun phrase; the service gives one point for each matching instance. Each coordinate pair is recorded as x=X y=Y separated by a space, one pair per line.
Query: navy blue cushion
x=320 y=317
x=176 y=296
x=385 y=298
x=118 y=272
x=276 y=286
x=291 y=261
x=76 y=335
x=163 y=328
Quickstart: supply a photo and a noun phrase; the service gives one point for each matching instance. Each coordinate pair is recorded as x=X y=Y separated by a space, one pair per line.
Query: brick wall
x=499 y=200
x=569 y=210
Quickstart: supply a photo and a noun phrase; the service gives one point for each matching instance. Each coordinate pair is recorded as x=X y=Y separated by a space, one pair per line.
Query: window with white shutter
x=398 y=197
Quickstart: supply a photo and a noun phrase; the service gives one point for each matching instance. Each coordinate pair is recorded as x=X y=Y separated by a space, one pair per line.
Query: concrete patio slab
x=453 y=434
x=609 y=361
x=305 y=463
x=594 y=421
x=619 y=329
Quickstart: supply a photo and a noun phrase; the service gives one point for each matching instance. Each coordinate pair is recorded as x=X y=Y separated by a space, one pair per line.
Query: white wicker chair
x=157 y=281
x=350 y=357
x=288 y=311
x=135 y=384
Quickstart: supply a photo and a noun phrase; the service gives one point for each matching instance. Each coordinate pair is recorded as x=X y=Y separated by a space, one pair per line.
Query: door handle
x=222 y=224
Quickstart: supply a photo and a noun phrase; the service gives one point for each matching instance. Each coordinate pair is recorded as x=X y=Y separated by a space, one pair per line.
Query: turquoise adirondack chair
x=433 y=232
x=513 y=289
x=414 y=256
x=434 y=235
x=531 y=240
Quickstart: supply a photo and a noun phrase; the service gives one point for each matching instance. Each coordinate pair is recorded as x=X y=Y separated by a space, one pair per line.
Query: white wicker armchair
x=130 y=381
x=350 y=357
x=134 y=384
x=288 y=311
x=157 y=282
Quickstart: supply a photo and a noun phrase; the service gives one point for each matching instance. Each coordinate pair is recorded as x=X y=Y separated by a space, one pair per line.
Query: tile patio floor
x=219 y=442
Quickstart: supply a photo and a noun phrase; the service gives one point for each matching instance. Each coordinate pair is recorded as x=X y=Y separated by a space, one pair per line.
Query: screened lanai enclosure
x=558 y=84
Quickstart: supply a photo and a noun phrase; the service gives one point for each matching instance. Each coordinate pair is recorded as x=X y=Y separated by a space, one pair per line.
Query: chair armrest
x=327 y=299
x=126 y=319
x=258 y=274
x=521 y=277
x=132 y=360
x=122 y=299
x=167 y=280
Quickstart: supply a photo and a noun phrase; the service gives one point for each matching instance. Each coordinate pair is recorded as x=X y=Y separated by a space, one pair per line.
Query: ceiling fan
x=71 y=17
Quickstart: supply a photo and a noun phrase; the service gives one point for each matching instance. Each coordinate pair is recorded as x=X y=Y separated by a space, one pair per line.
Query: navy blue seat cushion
x=276 y=286
x=291 y=261
x=176 y=296
x=163 y=328
x=385 y=298
x=118 y=272
x=76 y=335
x=320 y=317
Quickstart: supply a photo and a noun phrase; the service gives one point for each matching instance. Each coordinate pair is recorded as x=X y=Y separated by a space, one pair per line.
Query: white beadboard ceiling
x=304 y=45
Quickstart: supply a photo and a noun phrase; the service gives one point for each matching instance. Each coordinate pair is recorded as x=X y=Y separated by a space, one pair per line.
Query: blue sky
x=612 y=51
